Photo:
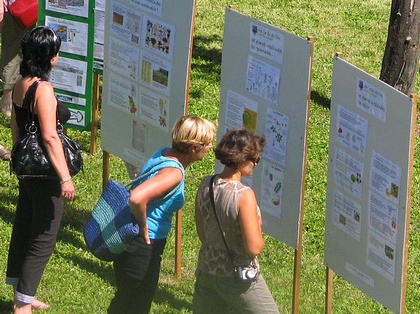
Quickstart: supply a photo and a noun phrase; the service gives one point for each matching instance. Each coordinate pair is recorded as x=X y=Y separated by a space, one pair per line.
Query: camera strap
x=217 y=218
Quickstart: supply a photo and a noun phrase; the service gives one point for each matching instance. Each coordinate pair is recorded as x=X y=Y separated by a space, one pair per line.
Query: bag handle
x=29 y=102
x=154 y=168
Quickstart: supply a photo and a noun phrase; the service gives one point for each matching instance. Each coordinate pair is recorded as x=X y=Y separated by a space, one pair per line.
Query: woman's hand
x=68 y=191
x=145 y=232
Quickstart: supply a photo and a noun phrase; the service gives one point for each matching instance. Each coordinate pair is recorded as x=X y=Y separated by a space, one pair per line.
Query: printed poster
x=272 y=189
x=347 y=214
x=276 y=133
x=348 y=173
x=241 y=111
x=70 y=75
x=385 y=177
x=263 y=79
x=371 y=99
x=73 y=35
x=352 y=130
x=266 y=43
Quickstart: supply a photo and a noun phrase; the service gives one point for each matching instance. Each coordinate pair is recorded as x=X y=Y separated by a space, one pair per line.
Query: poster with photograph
x=159 y=37
x=125 y=23
x=73 y=35
x=69 y=75
x=156 y=72
x=72 y=7
x=241 y=111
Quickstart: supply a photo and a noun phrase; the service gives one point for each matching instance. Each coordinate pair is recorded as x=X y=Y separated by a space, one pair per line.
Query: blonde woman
x=153 y=203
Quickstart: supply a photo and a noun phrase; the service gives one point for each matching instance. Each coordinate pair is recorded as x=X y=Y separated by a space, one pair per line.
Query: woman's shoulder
x=234 y=185
x=40 y=88
x=44 y=86
x=159 y=162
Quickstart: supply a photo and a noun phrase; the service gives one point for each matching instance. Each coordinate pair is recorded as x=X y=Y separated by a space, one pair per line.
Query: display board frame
x=72 y=77
x=369 y=184
x=247 y=44
x=145 y=86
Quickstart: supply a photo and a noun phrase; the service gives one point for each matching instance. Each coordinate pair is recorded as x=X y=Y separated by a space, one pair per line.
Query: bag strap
x=166 y=163
x=29 y=102
x=217 y=218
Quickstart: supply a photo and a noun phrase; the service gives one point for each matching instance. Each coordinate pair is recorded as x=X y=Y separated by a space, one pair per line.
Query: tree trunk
x=400 y=61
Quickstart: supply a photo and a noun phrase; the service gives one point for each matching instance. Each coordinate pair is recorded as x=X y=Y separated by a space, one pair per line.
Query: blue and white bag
x=111 y=225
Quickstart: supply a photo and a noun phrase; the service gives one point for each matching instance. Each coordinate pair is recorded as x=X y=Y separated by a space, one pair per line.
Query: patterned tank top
x=213 y=257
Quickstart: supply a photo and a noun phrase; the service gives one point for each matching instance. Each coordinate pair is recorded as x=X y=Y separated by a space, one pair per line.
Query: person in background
x=218 y=286
x=10 y=58
x=137 y=268
x=4 y=153
x=40 y=202
x=11 y=37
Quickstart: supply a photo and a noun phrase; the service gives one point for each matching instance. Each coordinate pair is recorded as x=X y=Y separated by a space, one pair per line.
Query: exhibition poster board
x=369 y=184
x=265 y=86
x=72 y=77
x=99 y=37
x=147 y=56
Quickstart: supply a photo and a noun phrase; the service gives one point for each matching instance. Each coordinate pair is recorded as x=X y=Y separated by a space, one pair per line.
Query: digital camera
x=246 y=273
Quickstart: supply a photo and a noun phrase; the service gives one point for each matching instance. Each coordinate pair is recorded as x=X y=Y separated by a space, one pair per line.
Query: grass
x=76 y=282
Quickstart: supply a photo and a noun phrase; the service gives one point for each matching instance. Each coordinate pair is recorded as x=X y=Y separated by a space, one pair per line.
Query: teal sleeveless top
x=161 y=211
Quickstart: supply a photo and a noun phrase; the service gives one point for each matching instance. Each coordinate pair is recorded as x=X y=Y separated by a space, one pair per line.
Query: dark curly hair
x=238 y=146
x=38 y=47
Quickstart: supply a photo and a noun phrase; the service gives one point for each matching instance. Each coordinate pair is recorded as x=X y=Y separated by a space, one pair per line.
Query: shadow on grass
x=320 y=100
x=211 y=56
x=163 y=296
x=163 y=293
x=6 y=306
x=6 y=214
x=102 y=270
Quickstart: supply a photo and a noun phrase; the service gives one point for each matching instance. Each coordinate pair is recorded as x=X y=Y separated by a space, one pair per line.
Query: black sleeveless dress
x=24 y=113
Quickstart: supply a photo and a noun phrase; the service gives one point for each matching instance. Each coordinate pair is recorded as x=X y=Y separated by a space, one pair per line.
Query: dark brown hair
x=238 y=146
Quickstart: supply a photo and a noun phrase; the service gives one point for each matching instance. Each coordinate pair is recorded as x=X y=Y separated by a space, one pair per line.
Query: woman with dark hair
x=41 y=201
x=228 y=222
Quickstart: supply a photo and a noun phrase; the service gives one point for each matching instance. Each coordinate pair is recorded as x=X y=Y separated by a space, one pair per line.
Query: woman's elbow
x=132 y=201
x=50 y=140
x=256 y=248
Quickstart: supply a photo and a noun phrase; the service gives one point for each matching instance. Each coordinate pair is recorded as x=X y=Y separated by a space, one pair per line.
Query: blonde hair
x=192 y=130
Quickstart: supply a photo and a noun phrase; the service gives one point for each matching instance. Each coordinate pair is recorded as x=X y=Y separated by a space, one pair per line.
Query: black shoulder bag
x=29 y=158
x=247 y=273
